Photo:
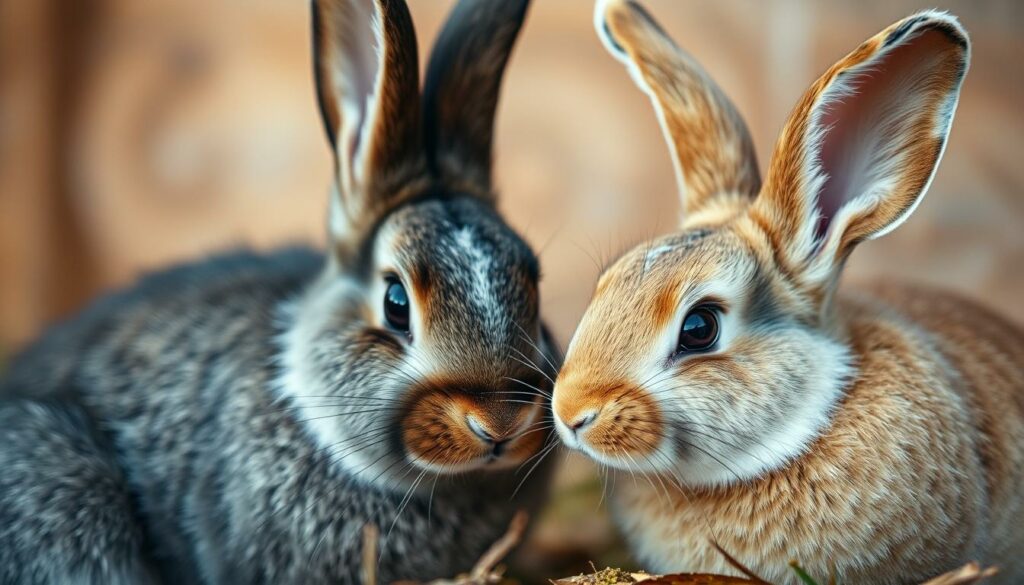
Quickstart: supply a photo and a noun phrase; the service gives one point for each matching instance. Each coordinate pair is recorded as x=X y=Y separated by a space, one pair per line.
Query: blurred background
x=138 y=133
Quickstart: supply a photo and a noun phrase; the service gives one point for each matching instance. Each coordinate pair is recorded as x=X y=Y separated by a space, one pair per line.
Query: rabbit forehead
x=640 y=299
x=472 y=278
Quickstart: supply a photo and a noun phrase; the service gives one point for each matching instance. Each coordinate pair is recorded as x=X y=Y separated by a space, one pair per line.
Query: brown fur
x=877 y=435
x=784 y=207
x=623 y=406
x=435 y=431
x=919 y=471
x=713 y=150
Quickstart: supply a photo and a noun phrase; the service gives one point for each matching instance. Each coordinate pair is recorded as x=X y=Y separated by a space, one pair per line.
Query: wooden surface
x=136 y=133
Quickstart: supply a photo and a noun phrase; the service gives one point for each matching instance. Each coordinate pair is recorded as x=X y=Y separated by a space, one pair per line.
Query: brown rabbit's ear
x=711 y=148
x=368 y=87
x=862 y=145
x=461 y=91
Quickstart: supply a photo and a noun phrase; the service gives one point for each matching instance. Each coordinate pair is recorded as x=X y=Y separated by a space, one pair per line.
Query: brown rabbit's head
x=420 y=348
x=713 y=354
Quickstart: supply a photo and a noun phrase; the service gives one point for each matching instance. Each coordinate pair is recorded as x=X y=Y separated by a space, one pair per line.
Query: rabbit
x=876 y=434
x=241 y=419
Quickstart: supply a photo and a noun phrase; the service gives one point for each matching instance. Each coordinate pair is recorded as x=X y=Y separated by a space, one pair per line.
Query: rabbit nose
x=486 y=435
x=582 y=421
x=478 y=429
x=497 y=443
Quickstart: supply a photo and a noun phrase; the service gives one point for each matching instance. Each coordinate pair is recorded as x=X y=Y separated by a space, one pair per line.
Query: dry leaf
x=619 y=577
x=699 y=579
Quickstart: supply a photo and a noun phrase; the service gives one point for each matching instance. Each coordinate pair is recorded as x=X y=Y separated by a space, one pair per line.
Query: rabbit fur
x=241 y=419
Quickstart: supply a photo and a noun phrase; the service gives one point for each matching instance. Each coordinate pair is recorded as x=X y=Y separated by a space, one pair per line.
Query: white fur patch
x=480 y=264
x=298 y=383
x=654 y=253
x=790 y=437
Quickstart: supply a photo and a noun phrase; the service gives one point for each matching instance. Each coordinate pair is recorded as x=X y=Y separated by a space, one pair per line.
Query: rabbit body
x=918 y=471
x=242 y=420
x=144 y=441
x=879 y=435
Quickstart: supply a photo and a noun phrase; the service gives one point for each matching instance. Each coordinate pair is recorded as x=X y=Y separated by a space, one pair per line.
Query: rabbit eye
x=396 y=306
x=699 y=331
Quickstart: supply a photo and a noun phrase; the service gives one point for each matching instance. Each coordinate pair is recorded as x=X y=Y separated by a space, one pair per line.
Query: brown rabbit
x=879 y=434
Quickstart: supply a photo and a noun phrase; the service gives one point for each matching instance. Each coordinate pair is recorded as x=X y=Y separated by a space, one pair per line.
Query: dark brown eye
x=396 y=306
x=699 y=331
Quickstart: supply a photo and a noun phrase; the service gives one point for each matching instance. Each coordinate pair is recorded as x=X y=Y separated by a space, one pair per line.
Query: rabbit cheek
x=629 y=425
x=621 y=430
x=435 y=436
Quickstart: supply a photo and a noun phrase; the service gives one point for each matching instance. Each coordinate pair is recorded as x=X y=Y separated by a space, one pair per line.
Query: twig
x=499 y=550
x=370 y=535
x=486 y=571
x=738 y=565
x=965 y=575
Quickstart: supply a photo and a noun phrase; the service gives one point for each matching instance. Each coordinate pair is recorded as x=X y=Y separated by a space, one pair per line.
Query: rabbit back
x=986 y=354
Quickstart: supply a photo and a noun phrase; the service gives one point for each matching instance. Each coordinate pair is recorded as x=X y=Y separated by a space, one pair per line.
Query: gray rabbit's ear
x=367 y=78
x=460 y=94
x=711 y=149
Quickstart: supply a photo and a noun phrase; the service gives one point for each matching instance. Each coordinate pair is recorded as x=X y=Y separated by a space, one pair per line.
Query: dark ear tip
x=603 y=11
x=955 y=32
x=611 y=38
x=641 y=12
x=935 y=20
x=625 y=12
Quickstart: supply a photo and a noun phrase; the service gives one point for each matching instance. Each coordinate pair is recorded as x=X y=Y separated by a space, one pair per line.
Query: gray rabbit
x=240 y=420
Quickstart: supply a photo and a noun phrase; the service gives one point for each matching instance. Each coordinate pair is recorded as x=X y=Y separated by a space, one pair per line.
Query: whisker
x=539 y=351
x=528 y=385
x=346 y=414
x=530 y=363
x=527 y=402
x=544 y=455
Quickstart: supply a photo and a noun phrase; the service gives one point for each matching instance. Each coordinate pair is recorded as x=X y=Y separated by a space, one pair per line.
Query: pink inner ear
x=872 y=121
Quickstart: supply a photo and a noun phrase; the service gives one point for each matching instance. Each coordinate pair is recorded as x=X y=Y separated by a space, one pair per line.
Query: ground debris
x=611 y=576
x=608 y=576
x=969 y=574
x=488 y=571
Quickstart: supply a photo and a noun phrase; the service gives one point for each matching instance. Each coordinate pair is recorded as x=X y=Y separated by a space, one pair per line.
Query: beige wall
x=134 y=133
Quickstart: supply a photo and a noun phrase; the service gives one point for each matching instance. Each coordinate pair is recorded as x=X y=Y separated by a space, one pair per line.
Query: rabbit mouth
x=443 y=436
x=509 y=455
x=619 y=425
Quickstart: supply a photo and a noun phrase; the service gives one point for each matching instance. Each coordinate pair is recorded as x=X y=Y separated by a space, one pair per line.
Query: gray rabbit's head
x=420 y=347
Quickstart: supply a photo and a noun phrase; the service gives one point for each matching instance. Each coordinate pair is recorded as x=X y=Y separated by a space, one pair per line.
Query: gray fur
x=145 y=437
x=176 y=432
